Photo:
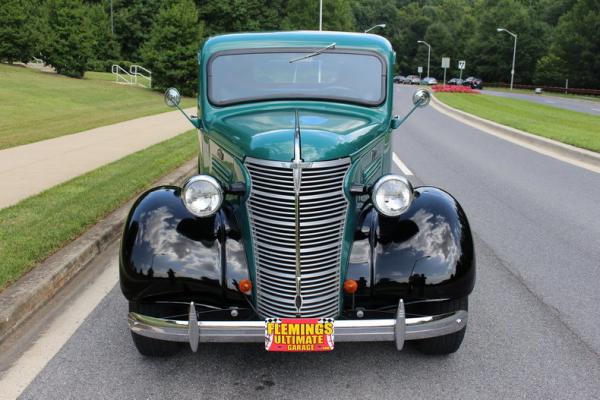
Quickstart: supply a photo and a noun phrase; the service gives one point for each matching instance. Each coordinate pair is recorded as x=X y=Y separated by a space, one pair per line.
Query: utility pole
x=428 y=54
x=320 y=15
x=512 y=71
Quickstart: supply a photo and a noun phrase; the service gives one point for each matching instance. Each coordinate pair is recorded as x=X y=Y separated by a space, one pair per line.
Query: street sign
x=445 y=65
x=461 y=66
x=420 y=70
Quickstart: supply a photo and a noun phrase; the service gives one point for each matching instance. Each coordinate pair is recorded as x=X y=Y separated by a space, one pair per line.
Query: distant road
x=583 y=106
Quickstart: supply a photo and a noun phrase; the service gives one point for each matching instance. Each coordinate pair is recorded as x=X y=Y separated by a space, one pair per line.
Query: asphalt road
x=584 y=106
x=533 y=323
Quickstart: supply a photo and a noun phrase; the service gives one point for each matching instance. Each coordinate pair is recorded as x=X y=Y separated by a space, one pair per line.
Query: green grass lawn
x=578 y=129
x=37 y=105
x=33 y=229
x=546 y=94
x=99 y=76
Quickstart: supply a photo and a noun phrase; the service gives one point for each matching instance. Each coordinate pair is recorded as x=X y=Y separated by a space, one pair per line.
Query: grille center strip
x=297 y=171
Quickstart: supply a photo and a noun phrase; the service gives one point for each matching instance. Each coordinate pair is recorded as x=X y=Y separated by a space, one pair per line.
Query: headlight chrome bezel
x=379 y=184
x=207 y=179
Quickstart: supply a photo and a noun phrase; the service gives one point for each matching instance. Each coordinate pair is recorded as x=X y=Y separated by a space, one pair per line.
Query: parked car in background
x=428 y=80
x=294 y=228
x=413 y=80
x=455 y=81
x=399 y=79
x=474 y=83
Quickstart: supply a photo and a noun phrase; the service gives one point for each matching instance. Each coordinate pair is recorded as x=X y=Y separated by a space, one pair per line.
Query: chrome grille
x=321 y=214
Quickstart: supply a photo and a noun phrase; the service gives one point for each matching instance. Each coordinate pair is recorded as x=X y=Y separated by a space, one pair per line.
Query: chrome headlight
x=202 y=195
x=392 y=195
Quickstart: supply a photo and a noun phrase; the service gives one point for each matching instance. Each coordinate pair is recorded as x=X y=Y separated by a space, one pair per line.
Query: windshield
x=332 y=75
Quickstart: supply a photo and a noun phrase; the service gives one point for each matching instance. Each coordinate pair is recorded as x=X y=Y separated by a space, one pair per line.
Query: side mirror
x=421 y=98
x=172 y=97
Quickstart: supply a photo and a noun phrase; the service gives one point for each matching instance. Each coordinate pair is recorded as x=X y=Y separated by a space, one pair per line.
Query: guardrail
x=551 y=89
x=137 y=75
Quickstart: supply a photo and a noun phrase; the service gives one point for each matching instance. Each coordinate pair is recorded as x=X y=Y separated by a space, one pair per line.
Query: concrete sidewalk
x=32 y=168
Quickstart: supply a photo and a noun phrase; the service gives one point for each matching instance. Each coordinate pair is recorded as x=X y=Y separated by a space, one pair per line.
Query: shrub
x=170 y=52
x=550 y=70
x=18 y=30
x=453 y=89
x=70 y=40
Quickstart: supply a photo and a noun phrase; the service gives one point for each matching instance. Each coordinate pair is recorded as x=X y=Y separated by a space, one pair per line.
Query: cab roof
x=316 y=39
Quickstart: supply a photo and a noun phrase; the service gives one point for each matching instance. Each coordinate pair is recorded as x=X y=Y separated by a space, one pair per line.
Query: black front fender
x=426 y=253
x=167 y=253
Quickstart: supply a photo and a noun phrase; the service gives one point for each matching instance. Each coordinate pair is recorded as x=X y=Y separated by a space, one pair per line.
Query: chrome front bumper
x=397 y=330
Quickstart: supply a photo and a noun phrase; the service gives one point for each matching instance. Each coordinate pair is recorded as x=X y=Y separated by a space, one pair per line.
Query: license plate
x=299 y=334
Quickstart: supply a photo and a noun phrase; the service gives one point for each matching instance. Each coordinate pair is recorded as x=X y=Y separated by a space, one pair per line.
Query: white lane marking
x=31 y=363
x=550 y=101
x=595 y=109
x=401 y=165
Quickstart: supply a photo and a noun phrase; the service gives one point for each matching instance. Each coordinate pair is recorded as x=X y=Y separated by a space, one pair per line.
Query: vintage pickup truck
x=295 y=233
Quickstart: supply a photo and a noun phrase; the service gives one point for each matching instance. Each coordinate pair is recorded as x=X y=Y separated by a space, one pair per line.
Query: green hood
x=269 y=133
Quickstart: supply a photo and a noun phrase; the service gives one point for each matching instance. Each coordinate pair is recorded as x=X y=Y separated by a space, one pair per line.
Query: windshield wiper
x=316 y=53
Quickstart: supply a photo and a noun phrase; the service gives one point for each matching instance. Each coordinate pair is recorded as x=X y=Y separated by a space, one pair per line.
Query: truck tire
x=147 y=346
x=446 y=344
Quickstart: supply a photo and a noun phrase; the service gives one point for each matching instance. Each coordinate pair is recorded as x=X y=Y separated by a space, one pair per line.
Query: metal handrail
x=131 y=77
x=134 y=70
x=122 y=76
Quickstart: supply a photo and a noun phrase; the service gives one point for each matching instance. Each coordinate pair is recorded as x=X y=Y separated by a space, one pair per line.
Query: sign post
x=461 y=67
x=445 y=65
x=420 y=71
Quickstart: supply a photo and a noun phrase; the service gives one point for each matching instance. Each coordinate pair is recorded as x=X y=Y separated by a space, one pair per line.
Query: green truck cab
x=294 y=218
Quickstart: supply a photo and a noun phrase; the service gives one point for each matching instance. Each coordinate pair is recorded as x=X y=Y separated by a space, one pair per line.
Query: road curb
x=565 y=152
x=20 y=300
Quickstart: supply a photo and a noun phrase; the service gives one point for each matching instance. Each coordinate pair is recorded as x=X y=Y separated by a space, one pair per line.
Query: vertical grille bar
x=321 y=217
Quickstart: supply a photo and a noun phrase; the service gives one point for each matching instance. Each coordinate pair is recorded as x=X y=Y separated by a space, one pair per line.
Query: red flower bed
x=453 y=89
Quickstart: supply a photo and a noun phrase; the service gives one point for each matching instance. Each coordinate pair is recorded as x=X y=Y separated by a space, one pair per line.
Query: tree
x=241 y=15
x=550 y=70
x=70 y=40
x=491 y=52
x=576 y=43
x=368 y=13
x=302 y=14
x=170 y=51
x=134 y=20
x=551 y=10
x=452 y=24
x=410 y=26
x=105 y=47
x=18 y=30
